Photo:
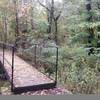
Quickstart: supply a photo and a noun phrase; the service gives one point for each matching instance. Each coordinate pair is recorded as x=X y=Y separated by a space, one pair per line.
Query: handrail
x=36 y=45
x=42 y=59
x=39 y=58
x=4 y=45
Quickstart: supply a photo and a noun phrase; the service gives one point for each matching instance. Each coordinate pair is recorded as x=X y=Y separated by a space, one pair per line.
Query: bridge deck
x=26 y=77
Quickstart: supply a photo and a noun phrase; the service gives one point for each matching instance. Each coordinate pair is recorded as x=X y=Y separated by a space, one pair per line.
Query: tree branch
x=44 y=6
x=56 y=18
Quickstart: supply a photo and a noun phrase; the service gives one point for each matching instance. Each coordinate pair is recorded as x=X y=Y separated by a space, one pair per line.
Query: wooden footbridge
x=23 y=76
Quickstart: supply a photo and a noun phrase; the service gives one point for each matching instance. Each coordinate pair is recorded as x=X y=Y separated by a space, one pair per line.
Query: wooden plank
x=25 y=75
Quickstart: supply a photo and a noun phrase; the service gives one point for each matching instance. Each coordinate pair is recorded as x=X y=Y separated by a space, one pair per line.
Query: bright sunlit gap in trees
x=59 y=0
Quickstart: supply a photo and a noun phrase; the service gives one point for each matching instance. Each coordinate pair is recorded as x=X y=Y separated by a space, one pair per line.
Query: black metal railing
x=39 y=58
x=3 y=47
x=35 y=52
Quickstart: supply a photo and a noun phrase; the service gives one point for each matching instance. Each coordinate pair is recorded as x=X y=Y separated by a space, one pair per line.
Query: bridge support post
x=3 y=53
x=35 y=54
x=12 y=80
x=56 y=73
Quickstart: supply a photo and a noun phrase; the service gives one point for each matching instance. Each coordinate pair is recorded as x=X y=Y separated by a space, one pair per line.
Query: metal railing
x=3 y=47
x=36 y=58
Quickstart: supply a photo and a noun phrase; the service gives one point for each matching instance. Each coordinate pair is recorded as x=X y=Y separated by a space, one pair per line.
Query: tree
x=90 y=19
x=4 y=19
x=16 y=17
x=32 y=14
x=51 y=10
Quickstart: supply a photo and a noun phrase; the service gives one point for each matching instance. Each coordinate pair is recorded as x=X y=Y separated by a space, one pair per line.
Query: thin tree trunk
x=4 y=18
x=50 y=19
x=32 y=15
x=5 y=28
x=50 y=24
x=17 y=25
x=26 y=25
x=56 y=32
x=90 y=19
x=32 y=24
x=16 y=22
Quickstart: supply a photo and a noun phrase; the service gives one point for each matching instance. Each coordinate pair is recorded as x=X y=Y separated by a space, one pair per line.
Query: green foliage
x=42 y=27
x=89 y=25
x=76 y=67
x=80 y=38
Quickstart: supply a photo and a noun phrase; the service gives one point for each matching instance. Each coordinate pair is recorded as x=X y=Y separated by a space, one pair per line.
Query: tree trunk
x=56 y=32
x=32 y=24
x=32 y=15
x=50 y=23
x=5 y=28
x=16 y=22
x=50 y=15
x=90 y=19
x=26 y=26
x=17 y=25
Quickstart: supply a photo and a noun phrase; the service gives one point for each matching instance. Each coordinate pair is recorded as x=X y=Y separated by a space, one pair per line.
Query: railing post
x=56 y=73
x=35 y=55
x=3 y=53
x=12 y=80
